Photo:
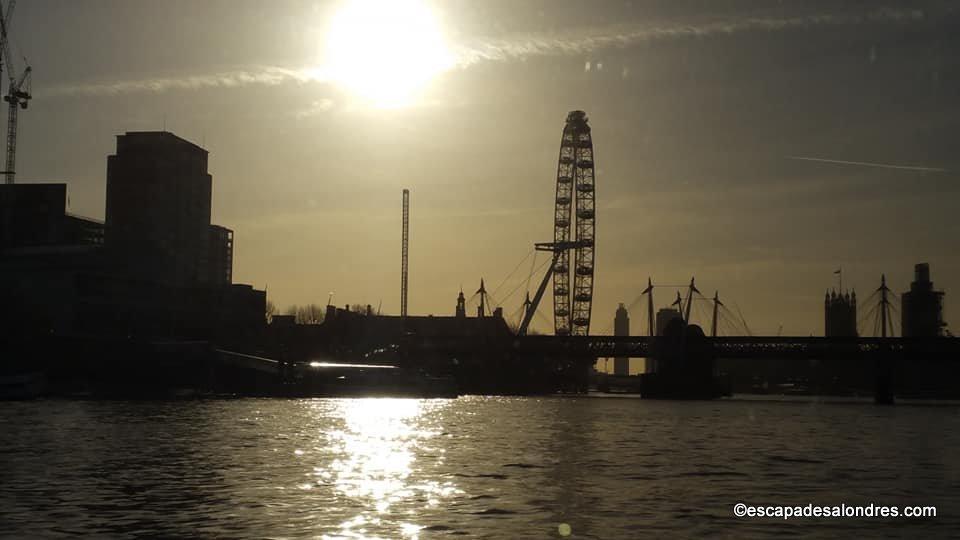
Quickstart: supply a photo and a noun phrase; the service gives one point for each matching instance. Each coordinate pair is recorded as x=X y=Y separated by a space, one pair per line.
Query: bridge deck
x=754 y=346
x=759 y=347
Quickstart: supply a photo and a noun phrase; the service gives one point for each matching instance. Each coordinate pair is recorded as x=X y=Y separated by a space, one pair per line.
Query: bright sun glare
x=386 y=51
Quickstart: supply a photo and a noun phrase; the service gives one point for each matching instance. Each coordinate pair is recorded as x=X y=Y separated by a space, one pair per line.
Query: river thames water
x=473 y=467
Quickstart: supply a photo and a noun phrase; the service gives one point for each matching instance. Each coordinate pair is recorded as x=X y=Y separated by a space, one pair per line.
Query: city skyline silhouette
x=700 y=114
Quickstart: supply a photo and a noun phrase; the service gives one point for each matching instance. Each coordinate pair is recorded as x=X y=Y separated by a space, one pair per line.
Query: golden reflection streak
x=377 y=448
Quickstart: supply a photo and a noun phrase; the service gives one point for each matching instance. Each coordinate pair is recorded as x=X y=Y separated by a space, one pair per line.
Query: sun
x=386 y=51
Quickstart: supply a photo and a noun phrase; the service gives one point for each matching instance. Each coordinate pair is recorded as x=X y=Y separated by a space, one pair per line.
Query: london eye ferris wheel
x=574 y=223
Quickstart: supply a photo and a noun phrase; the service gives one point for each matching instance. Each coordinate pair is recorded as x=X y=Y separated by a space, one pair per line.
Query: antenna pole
x=404 y=253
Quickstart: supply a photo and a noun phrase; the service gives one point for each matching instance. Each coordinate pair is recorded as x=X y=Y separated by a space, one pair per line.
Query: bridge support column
x=883 y=390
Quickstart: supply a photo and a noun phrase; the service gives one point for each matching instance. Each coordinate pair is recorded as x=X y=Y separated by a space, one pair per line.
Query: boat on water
x=334 y=379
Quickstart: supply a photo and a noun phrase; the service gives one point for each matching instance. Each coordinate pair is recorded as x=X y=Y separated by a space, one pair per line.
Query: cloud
x=580 y=41
x=266 y=76
x=317 y=107
x=571 y=42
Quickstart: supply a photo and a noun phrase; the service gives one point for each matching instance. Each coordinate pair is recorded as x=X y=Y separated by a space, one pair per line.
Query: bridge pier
x=883 y=389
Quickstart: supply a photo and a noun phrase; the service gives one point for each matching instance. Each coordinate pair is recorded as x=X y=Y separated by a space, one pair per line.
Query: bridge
x=889 y=355
x=750 y=347
x=747 y=347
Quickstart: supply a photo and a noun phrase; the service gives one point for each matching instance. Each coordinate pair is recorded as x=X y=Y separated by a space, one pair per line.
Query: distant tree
x=270 y=311
x=312 y=314
x=307 y=313
x=359 y=308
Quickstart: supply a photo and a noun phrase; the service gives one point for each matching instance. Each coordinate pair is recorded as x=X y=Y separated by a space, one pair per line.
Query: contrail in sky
x=869 y=164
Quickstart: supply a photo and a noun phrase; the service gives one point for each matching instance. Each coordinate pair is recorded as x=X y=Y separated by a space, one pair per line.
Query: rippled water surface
x=469 y=468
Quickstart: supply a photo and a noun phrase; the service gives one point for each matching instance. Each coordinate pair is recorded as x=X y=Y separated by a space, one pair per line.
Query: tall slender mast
x=649 y=292
x=404 y=253
x=884 y=305
x=690 y=291
x=482 y=291
x=716 y=304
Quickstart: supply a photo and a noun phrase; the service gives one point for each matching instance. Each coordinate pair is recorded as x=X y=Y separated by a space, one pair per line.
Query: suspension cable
x=515 y=268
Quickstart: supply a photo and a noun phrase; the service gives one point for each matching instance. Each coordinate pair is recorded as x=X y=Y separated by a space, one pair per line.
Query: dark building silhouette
x=158 y=207
x=157 y=269
x=922 y=306
x=664 y=317
x=345 y=332
x=840 y=314
x=34 y=215
x=621 y=327
x=241 y=307
x=461 y=311
x=220 y=256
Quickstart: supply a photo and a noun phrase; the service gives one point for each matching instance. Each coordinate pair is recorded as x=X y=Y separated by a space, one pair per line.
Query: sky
x=758 y=146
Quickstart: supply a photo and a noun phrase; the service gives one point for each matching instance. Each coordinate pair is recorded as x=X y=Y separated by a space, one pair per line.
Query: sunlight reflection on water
x=472 y=467
x=376 y=451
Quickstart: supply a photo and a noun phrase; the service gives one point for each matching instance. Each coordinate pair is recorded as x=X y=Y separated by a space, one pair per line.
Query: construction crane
x=18 y=92
x=5 y=16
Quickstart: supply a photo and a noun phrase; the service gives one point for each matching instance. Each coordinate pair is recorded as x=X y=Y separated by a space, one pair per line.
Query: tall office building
x=158 y=208
x=621 y=327
x=922 y=307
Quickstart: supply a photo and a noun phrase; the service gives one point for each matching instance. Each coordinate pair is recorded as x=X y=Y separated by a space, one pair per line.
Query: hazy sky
x=698 y=110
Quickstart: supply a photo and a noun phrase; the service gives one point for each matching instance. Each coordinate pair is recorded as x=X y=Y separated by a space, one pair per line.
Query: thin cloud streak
x=576 y=42
x=518 y=47
x=317 y=107
x=266 y=76
x=869 y=164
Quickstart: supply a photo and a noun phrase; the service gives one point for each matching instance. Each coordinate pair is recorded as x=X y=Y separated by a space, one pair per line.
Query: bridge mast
x=884 y=306
x=482 y=291
x=690 y=291
x=679 y=303
x=716 y=304
x=649 y=292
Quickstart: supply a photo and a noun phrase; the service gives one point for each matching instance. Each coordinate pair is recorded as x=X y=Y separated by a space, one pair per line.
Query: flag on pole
x=837 y=271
